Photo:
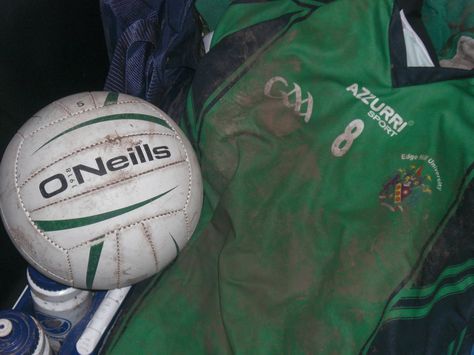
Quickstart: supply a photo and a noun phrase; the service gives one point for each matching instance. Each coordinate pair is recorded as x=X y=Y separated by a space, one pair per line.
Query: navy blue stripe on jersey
x=236 y=48
x=429 y=321
x=454 y=246
x=432 y=334
x=242 y=53
x=424 y=300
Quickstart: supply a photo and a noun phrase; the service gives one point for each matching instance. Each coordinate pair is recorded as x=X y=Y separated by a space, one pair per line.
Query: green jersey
x=337 y=155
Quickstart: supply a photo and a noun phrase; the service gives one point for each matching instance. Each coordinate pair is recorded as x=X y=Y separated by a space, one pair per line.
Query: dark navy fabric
x=154 y=47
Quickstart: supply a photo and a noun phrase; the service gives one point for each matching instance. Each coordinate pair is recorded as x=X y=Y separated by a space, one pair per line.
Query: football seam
x=68 y=259
x=81 y=149
x=121 y=228
x=79 y=113
x=20 y=199
x=93 y=99
x=38 y=266
x=117 y=241
x=61 y=105
x=188 y=196
x=152 y=245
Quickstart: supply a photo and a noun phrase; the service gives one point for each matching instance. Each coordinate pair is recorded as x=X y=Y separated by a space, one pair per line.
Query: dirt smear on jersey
x=277 y=119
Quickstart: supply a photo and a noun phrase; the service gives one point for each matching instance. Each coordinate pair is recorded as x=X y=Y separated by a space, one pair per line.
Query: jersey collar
x=402 y=75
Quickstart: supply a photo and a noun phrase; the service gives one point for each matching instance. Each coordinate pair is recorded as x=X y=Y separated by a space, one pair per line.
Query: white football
x=100 y=190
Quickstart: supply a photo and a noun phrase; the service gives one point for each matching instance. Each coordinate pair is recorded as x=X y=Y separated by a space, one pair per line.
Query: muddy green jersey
x=337 y=154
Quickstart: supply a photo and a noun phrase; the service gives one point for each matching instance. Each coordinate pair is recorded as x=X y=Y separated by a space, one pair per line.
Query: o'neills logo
x=386 y=117
x=139 y=154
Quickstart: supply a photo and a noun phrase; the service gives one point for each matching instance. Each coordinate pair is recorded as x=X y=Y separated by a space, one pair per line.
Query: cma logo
x=140 y=154
x=291 y=97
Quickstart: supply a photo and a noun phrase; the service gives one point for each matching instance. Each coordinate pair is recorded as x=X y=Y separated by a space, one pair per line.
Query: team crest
x=405 y=188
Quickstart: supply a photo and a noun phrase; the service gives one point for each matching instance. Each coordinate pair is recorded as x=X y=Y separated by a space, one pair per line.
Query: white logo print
x=386 y=117
x=291 y=99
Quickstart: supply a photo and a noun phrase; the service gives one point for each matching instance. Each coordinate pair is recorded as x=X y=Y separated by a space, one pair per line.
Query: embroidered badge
x=405 y=188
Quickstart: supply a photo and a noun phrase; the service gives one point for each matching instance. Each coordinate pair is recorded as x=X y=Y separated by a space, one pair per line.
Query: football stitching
x=68 y=259
x=121 y=228
x=27 y=214
x=38 y=266
x=188 y=196
x=115 y=182
x=118 y=258
x=152 y=245
x=78 y=113
x=81 y=149
x=93 y=99
x=64 y=107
